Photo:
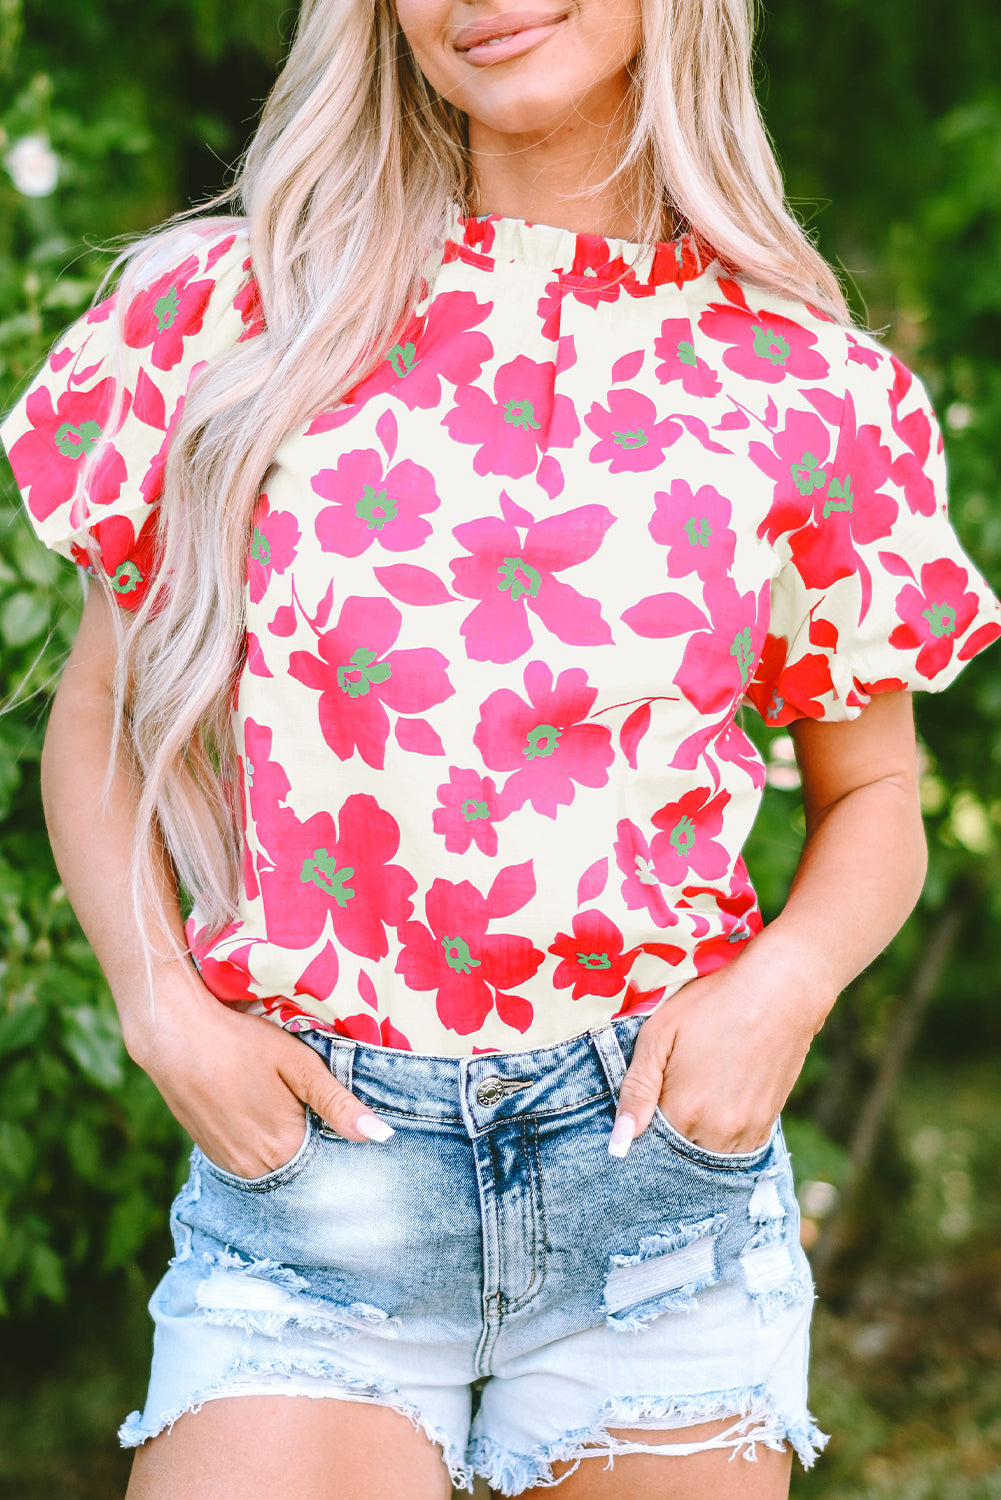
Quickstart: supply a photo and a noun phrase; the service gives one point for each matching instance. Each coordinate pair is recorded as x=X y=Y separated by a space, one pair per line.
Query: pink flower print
x=675 y=349
x=935 y=616
x=849 y=509
x=525 y=419
x=249 y=305
x=910 y=471
x=741 y=920
x=46 y=460
x=641 y=887
x=129 y=561
x=594 y=277
x=365 y=1028
x=470 y=969
x=718 y=664
x=545 y=741
x=371 y=504
x=273 y=542
x=630 y=437
x=782 y=693
x=468 y=810
x=687 y=838
x=593 y=960
x=797 y=462
x=439 y=344
x=359 y=677
x=510 y=577
x=168 y=312
x=695 y=528
x=338 y=872
x=762 y=345
x=267 y=784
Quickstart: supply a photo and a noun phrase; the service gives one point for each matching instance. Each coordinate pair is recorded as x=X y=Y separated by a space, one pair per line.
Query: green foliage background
x=888 y=122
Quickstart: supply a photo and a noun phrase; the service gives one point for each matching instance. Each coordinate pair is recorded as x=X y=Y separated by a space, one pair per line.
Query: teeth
x=495 y=39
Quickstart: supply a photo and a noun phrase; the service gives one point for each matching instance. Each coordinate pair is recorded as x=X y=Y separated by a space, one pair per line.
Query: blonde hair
x=345 y=189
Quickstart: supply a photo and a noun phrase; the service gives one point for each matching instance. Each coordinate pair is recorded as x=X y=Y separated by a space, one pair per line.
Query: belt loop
x=611 y=1056
x=342 y=1056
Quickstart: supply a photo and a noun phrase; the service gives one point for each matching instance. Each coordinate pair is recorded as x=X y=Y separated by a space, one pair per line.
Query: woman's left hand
x=720 y=1057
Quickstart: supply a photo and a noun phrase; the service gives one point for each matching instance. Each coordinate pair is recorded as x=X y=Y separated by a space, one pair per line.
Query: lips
x=491 y=29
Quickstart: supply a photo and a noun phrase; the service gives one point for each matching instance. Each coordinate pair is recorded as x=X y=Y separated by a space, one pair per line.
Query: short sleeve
x=104 y=405
x=874 y=592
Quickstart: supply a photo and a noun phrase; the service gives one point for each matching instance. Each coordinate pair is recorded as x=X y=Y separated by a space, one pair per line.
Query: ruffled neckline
x=491 y=240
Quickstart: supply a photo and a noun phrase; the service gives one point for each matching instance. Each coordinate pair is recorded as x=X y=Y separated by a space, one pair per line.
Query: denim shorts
x=493 y=1249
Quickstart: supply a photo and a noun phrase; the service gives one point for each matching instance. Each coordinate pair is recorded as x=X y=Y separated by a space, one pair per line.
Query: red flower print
x=687 y=840
x=470 y=969
x=510 y=577
x=47 y=460
x=437 y=344
x=339 y=873
x=630 y=437
x=524 y=419
x=849 y=508
x=544 y=742
x=469 y=808
x=676 y=350
x=129 y=561
x=365 y=1028
x=593 y=960
x=274 y=539
x=739 y=917
x=641 y=887
x=695 y=528
x=594 y=277
x=359 y=677
x=249 y=305
x=373 y=504
x=935 y=616
x=797 y=462
x=784 y=693
x=166 y=313
x=910 y=471
x=763 y=345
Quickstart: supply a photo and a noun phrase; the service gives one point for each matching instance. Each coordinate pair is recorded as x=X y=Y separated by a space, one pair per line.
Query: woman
x=436 y=550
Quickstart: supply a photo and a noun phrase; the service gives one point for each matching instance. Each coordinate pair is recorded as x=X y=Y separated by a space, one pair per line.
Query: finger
x=311 y=1082
x=641 y=1088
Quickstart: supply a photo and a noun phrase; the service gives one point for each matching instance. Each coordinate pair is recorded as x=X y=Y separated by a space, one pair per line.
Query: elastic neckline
x=491 y=241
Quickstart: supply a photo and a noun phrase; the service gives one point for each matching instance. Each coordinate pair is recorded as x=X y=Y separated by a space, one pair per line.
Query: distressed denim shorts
x=494 y=1249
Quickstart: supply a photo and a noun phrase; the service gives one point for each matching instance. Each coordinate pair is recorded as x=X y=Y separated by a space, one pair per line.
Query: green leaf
x=23 y=617
x=94 y=1041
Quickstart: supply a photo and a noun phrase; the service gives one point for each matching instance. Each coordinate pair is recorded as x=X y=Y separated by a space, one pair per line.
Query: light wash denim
x=493 y=1247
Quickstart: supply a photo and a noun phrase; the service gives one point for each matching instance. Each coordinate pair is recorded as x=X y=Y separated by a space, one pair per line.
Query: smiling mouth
x=506 y=34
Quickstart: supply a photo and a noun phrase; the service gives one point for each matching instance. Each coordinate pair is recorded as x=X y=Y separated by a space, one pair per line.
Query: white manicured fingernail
x=373 y=1129
x=622 y=1135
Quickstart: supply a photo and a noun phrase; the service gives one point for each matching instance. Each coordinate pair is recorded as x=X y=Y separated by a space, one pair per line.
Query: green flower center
x=808 y=475
x=841 y=495
x=542 y=742
x=402 y=358
x=594 y=960
x=941 y=620
x=260 y=548
x=743 y=650
x=375 y=508
x=520 y=414
x=686 y=354
x=473 y=811
x=73 y=440
x=458 y=956
x=771 y=346
x=166 y=308
x=359 y=674
x=630 y=438
x=518 y=578
x=126 y=578
x=321 y=870
x=683 y=836
x=698 y=531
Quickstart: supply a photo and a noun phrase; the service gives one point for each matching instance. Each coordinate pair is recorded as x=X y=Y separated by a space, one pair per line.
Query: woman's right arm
x=237 y=1083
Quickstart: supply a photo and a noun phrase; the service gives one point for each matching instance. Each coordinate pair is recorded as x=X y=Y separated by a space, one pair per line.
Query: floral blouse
x=503 y=604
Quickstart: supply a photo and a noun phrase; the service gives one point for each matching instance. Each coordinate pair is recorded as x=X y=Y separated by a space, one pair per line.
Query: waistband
x=480 y=1091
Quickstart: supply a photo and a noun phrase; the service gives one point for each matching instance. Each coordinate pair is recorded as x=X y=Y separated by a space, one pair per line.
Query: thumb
x=642 y=1086
x=311 y=1082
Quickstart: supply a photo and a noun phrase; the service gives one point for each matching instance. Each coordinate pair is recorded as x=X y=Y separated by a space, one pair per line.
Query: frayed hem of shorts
x=755 y=1421
x=134 y=1431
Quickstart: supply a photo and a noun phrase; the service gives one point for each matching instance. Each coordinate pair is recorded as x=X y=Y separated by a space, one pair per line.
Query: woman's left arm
x=721 y=1055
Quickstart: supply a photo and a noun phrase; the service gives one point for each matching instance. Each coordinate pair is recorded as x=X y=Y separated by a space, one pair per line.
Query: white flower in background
x=33 y=166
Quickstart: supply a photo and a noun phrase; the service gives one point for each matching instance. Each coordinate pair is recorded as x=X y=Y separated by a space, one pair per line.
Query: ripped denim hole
x=663 y=1276
x=243 y=1298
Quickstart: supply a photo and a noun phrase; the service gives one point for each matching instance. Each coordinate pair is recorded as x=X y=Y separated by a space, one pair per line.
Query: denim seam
x=537 y=1217
x=271 y=1180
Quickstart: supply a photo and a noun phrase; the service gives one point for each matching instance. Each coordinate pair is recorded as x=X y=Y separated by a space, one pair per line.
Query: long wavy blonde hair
x=345 y=189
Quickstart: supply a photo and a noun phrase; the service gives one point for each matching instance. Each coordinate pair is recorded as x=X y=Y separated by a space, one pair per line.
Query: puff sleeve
x=874 y=593
x=88 y=440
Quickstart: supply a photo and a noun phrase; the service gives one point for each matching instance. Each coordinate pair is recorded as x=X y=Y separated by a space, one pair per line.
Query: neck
x=557 y=180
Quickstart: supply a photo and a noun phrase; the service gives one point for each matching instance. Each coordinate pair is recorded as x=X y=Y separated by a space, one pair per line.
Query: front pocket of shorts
x=278 y=1175
x=727 y=1161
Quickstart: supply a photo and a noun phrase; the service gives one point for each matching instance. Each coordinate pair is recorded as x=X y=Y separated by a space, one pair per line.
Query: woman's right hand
x=239 y=1084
